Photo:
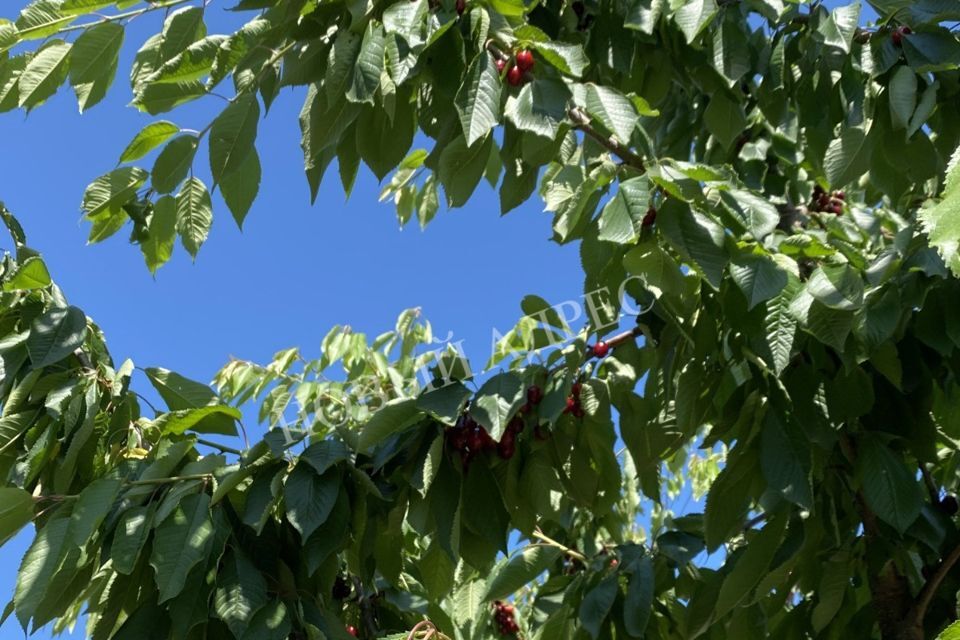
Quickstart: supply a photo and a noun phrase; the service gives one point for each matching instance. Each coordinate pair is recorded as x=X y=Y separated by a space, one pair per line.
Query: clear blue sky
x=294 y=271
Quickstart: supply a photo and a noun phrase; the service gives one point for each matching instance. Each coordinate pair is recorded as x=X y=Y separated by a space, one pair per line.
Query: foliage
x=768 y=180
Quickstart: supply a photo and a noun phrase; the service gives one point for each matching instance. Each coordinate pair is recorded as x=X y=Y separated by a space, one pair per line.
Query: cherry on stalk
x=899 y=33
x=525 y=60
x=515 y=76
x=504 y=616
x=352 y=630
x=601 y=349
x=461 y=7
x=341 y=589
x=534 y=395
x=650 y=218
x=571 y=404
x=501 y=65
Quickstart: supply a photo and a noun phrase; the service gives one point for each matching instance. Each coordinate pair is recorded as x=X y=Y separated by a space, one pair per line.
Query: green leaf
x=941 y=221
x=240 y=188
x=173 y=164
x=613 y=110
x=903 y=96
x=392 y=417
x=697 y=237
x=751 y=566
x=780 y=326
x=55 y=335
x=497 y=400
x=638 y=604
x=93 y=63
x=446 y=403
x=232 y=136
x=42 y=560
x=840 y=26
x=148 y=139
x=759 y=277
x=728 y=501
x=569 y=59
x=511 y=575
x=44 y=74
x=889 y=488
x=785 y=461
x=181 y=542
x=657 y=270
x=623 y=214
x=16 y=512
x=178 y=392
x=478 y=100
x=30 y=275
x=757 y=213
x=181 y=28
x=241 y=592
x=108 y=193
x=41 y=19
x=837 y=286
x=91 y=508
x=194 y=215
x=847 y=156
x=271 y=622
x=219 y=419
x=950 y=633
x=157 y=247
x=724 y=118
x=597 y=603
x=540 y=107
x=129 y=537
x=369 y=65
x=310 y=497
x=694 y=16
x=325 y=454
x=461 y=168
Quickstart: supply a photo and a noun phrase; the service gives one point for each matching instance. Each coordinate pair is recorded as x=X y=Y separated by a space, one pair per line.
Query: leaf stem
x=221 y=447
x=155 y=481
x=576 y=555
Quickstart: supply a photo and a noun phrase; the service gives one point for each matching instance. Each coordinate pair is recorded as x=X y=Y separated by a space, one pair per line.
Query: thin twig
x=123 y=16
x=576 y=555
x=582 y=122
x=925 y=597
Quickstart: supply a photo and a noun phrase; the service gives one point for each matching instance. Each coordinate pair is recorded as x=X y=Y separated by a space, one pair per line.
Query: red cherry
x=571 y=404
x=899 y=33
x=649 y=218
x=614 y=563
x=575 y=389
x=352 y=630
x=534 y=395
x=461 y=7
x=516 y=425
x=578 y=412
x=601 y=349
x=501 y=65
x=525 y=60
x=515 y=76
x=839 y=195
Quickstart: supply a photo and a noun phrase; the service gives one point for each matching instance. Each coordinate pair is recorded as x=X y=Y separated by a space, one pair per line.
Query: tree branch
x=581 y=121
x=925 y=597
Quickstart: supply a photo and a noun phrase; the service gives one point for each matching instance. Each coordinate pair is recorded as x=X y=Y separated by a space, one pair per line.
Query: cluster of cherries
x=573 y=402
x=827 y=202
x=516 y=73
x=469 y=438
x=503 y=614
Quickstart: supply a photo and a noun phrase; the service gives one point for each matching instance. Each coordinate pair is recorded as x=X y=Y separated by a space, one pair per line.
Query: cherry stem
x=619 y=339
